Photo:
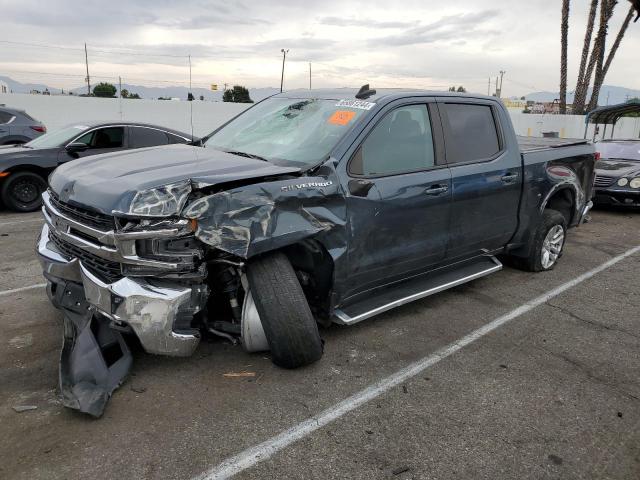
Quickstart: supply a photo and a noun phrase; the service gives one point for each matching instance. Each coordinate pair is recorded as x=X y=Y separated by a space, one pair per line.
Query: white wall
x=57 y=111
x=569 y=126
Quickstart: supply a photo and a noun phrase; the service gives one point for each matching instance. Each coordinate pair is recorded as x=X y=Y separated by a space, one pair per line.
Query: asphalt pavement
x=553 y=392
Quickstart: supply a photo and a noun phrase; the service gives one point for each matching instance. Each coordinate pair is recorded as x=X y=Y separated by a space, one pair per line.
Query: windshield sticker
x=341 y=117
x=362 y=105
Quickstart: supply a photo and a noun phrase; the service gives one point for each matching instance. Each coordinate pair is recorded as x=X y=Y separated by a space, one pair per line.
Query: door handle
x=509 y=177
x=436 y=189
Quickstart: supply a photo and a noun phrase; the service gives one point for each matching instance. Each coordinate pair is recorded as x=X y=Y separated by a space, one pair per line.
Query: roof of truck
x=387 y=93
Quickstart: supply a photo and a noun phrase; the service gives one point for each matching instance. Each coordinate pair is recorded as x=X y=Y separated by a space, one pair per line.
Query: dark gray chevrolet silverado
x=311 y=207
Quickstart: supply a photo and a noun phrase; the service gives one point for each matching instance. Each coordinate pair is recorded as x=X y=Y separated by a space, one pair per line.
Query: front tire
x=548 y=242
x=22 y=191
x=291 y=330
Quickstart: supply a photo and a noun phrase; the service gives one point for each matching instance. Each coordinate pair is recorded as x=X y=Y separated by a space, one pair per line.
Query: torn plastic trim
x=94 y=360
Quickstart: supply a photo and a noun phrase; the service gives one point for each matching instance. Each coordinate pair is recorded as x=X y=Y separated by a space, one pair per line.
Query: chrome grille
x=106 y=269
x=87 y=217
x=603 y=181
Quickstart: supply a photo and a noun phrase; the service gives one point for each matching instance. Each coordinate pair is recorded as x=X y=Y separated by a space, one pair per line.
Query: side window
x=5 y=117
x=146 y=137
x=401 y=142
x=111 y=137
x=472 y=133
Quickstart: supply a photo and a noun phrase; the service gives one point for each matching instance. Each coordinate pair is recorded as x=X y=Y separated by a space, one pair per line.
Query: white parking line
x=21 y=221
x=22 y=289
x=270 y=447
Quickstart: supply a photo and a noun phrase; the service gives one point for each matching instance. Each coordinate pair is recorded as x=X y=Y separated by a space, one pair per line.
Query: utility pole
x=86 y=61
x=502 y=72
x=489 y=87
x=120 y=94
x=191 y=97
x=284 y=56
x=309 y=75
x=497 y=93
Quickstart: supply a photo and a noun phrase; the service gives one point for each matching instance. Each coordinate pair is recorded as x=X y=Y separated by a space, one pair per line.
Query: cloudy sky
x=421 y=43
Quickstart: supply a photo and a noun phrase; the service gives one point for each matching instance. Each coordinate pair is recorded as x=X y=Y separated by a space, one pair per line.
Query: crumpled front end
x=85 y=259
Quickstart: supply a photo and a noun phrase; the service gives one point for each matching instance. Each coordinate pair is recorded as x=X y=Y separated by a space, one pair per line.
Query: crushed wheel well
x=563 y=201
x=314 y=267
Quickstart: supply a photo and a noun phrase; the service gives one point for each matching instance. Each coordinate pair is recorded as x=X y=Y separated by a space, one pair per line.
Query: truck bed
x=530 y=144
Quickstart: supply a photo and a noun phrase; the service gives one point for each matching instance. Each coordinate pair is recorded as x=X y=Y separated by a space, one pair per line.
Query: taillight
x=597 y=156
x=39 y=128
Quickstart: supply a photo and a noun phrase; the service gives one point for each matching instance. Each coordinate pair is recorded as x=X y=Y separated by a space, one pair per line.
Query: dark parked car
x=17 y=127
x=618 y=173
x=24 y=168
x=310 y=207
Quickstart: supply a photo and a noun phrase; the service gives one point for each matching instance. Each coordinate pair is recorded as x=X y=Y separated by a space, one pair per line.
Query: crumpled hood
x=617 y=168
x=109 y=182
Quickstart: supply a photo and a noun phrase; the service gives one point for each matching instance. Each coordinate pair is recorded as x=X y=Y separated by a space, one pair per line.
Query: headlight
x=623 y=182
x=161 y=201
x=635 y=183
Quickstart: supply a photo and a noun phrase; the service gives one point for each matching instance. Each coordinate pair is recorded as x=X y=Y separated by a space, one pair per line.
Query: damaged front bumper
x=82 y=268
x=158 y=314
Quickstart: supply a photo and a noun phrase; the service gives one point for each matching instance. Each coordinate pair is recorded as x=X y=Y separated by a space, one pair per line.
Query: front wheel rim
x=552 y=246
x=26 y=191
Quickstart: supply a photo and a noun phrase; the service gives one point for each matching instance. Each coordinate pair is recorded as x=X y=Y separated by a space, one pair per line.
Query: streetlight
x=284 y=56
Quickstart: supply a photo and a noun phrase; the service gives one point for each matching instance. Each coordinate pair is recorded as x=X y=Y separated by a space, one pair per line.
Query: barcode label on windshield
x=362 y=105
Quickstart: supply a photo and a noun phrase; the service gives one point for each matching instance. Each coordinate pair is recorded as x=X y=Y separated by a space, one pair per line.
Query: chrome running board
x=416 y=289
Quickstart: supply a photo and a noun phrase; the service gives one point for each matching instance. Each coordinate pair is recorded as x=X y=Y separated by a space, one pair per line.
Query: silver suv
x=17 y=127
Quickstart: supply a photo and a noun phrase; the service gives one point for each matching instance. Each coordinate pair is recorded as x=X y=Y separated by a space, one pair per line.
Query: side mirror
x=76 y=147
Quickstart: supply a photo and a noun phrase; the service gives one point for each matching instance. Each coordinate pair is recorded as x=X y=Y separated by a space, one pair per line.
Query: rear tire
x=548 y=243
x=22 y=191
x=288 y=323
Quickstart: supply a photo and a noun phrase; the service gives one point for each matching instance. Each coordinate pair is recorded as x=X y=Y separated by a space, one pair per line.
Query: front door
x=100 y=140
x=398 y=199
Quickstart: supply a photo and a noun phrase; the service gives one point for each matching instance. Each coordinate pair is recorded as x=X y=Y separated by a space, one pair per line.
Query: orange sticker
x=341 y=117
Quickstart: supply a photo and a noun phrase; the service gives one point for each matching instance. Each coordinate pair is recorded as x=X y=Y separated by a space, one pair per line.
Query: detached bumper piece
x=94 y=360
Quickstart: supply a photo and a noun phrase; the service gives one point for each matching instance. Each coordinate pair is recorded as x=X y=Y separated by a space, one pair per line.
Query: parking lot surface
x=552 y=393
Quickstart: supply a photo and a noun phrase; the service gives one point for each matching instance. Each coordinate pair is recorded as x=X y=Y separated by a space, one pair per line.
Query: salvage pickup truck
x=311 y=207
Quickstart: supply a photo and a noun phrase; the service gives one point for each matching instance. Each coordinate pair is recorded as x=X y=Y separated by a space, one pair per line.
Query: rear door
x=398 y=196
x=141 y=137
x=485 y=176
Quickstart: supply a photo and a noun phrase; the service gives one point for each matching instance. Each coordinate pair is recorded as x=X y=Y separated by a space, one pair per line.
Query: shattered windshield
x=298 y=131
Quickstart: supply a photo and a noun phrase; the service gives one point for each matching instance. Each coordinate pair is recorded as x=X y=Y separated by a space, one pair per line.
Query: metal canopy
x=610 y=114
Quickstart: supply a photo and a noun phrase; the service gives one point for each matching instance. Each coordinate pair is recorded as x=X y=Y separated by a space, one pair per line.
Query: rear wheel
x=21 y=191
x=288 y=323
x=548 y=242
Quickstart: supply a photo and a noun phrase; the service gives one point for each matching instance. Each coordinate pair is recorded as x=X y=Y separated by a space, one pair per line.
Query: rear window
x=472 y=134
x=5 y=117
x=146 y=137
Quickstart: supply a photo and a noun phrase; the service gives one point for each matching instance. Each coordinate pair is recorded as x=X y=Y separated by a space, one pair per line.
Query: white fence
x=57 y=111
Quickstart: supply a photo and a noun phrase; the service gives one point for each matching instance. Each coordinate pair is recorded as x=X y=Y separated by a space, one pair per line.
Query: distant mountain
x=145 y=92
x=614 y=94
x=18 y=87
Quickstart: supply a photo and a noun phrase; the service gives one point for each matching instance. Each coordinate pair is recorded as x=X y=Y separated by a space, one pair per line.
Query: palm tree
x=583 y=83
x=564 y=39
x=603 y=69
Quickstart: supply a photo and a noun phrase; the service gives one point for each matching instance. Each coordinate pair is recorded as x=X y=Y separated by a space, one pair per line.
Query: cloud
x=458 y=27
x=363 y=22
